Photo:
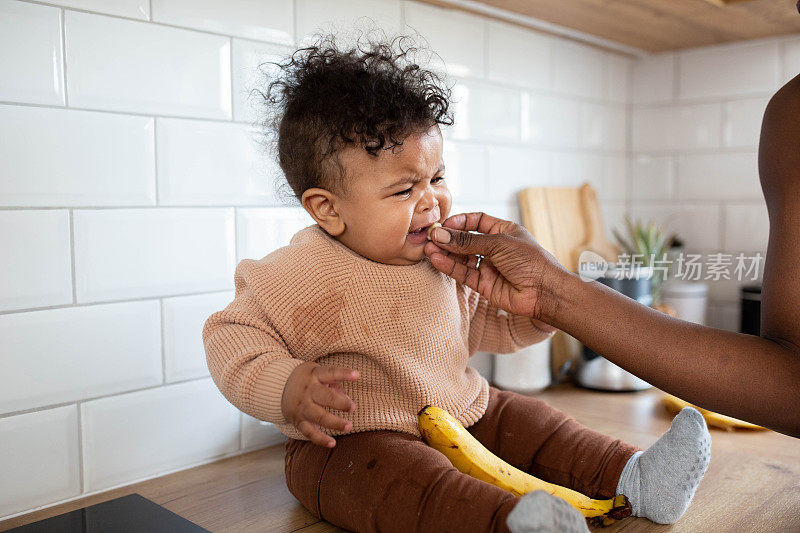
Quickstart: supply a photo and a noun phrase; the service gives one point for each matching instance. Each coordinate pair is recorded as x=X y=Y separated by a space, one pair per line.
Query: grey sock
x=540 y=512
x=660 y=482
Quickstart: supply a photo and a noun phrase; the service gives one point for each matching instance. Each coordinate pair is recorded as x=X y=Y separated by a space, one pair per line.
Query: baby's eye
x=403 y=193
x=437 y=179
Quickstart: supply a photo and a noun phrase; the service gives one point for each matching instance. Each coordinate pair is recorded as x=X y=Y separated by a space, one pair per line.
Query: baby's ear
x=321 y=204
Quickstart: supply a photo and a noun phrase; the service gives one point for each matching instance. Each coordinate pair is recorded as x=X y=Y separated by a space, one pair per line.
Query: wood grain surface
x=752 y=484
x=657 y=25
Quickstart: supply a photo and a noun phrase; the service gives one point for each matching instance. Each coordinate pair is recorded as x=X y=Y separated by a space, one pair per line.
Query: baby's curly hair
x=325 y=98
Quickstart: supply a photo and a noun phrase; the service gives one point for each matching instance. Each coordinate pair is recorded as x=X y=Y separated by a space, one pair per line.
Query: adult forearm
x=744 y=376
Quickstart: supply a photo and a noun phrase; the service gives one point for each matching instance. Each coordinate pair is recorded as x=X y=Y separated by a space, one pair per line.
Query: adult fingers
x=313 y=434
x=483 y=223
x=464 y=259
x=477 y=221
x=456 y=270
x=334 y=374
x=465 y=243
x=328 y=396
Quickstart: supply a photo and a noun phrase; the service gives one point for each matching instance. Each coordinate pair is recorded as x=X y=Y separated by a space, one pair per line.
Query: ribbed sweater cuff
x=526 y=332
x=267 y=389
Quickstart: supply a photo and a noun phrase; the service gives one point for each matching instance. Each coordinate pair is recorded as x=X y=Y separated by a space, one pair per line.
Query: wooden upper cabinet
x=658 y=25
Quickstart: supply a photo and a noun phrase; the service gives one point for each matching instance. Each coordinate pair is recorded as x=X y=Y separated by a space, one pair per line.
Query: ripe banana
x=728 y=423
x=444 y=433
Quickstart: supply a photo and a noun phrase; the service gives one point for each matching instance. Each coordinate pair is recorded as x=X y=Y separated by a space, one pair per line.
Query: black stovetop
x=129 y=514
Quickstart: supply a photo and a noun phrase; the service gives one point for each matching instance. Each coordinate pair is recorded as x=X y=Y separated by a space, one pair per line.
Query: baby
x=349 y=331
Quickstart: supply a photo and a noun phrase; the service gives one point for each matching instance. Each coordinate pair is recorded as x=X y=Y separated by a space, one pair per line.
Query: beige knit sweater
x=408 y=330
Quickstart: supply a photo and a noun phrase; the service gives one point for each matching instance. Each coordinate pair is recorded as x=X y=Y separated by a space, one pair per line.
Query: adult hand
x=516 y=273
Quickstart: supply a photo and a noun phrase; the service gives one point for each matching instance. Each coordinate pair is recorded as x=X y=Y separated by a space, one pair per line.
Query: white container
x=526 y=371
x=688 y=299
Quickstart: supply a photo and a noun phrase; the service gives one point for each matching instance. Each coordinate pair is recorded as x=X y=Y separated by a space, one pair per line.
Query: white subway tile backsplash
x=138 y=253
x=689 y=127
x=730 y=70
x=746 y=227
x=36 y=269
x=512 y=169
x=137 y=9
x=347 y=19
x=30 y=54
x=654 y=79
x=578 y=70
x=727 y=290
x=697 y=127
x=131 y=436
x=551 y=122
x=742 y=122
x=63 y=355
x=603 y=127
x=505 y=211
x=214 y=163
x=184 y=316
x=259 y=434
x=125 y=65
x=459 y=38
x=59 y=157
x=465 y=172
x=652 y=177
x=265 y=20
x=38 y=459
x=718 y=176
x=488 y=113
x=613 y=213
x=606 y=174
x=615 y=178
x=260 y=231
x=252 y=73
x=532 y=68
x=698 y=226
x=791 y=60
x=617 y=79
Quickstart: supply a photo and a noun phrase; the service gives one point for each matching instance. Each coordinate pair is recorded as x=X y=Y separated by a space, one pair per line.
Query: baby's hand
x=309 y=389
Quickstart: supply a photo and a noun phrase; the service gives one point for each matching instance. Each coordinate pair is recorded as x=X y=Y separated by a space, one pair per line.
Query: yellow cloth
x=409 y=331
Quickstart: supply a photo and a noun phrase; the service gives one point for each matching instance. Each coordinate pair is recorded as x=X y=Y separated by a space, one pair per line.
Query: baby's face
x=393 y=199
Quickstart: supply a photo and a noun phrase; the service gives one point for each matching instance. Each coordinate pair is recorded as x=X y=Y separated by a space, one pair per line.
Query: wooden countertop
x=752 y=484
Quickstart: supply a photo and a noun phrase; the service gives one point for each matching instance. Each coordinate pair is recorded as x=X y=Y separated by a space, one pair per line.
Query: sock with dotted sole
x=540 y=512
x=660 y=482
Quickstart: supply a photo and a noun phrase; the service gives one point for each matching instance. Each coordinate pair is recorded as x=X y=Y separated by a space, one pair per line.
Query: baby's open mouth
x=420 y=231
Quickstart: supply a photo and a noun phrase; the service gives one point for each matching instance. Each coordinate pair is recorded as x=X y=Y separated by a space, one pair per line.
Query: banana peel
x=443 y=432
x=728 y=423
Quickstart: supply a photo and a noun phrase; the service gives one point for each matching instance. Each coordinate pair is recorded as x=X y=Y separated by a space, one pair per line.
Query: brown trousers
x=390 y=481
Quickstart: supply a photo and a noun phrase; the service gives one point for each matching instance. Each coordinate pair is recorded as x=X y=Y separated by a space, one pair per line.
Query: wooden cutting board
x=566 y=221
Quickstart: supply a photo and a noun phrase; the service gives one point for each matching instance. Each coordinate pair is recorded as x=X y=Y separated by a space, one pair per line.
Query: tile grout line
x=148 y=21
x=82 y=401
x=155 y=162
x=230 y=69
x=81 y=462
x=64 y=54
x=71 y=218
x=109 y=302
x=208 y=460
x=163 y=326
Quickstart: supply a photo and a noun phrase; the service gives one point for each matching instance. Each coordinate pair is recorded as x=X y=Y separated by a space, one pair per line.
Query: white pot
x=688 y=299
x=526 y=371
